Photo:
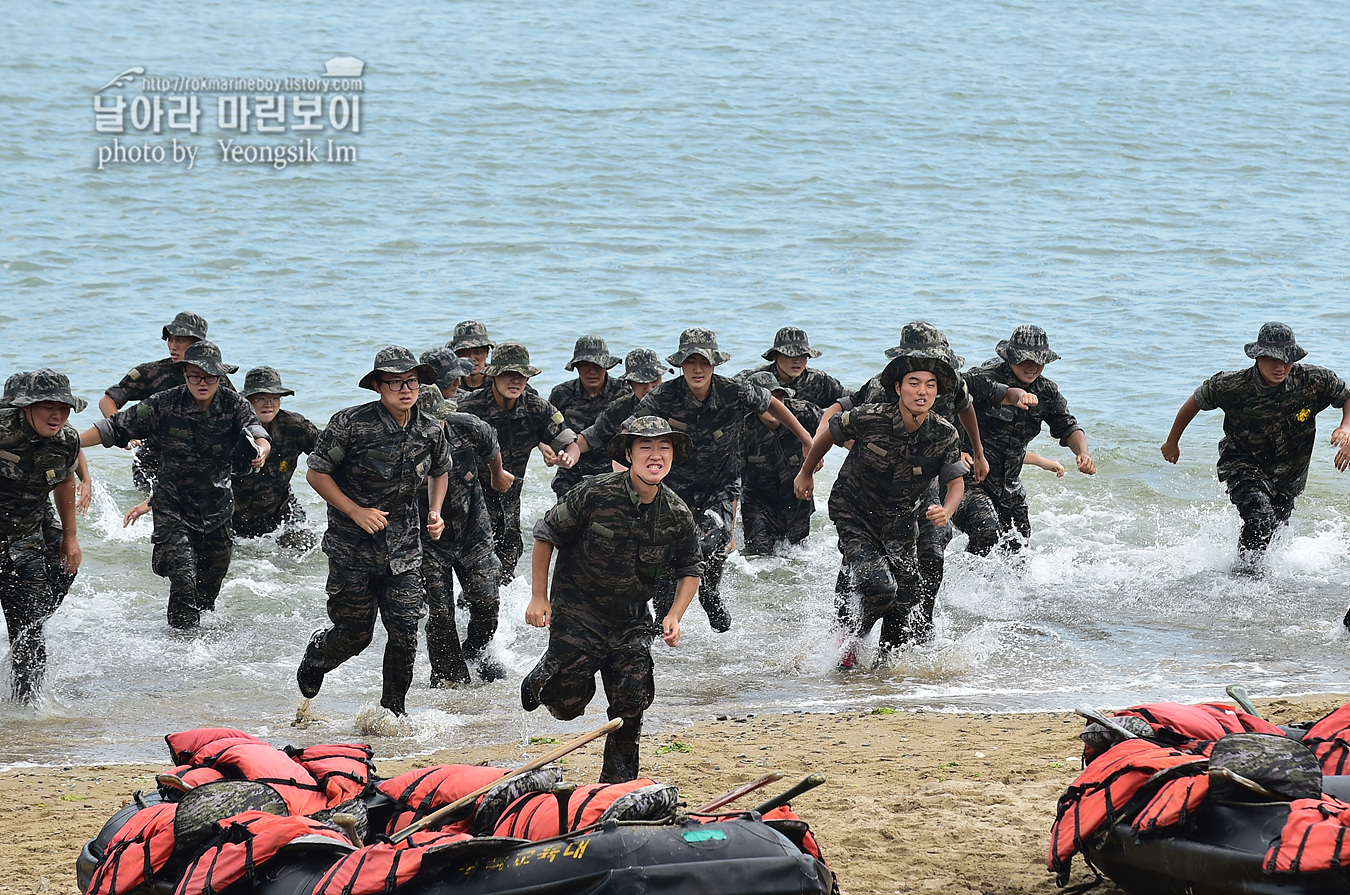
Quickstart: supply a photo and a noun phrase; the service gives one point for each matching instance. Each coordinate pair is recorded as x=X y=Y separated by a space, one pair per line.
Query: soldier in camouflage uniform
x=38 y=453
x=1269 y=425
x=522 y=420
x=643 y=372
x=263 y=500
x=450 y=370
x=582 y=400
x=616 y=535
x=711 y=410
x=1012 y=400
x=197 y=426
x=371 y=463
x=471 y=341
x=148 y=379
x=771 y=458
x=465 y=549
x=898 y=449
x=787 y=361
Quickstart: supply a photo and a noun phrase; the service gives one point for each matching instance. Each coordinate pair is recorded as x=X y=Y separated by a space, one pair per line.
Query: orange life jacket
x=1329 y=740
x=136 y=852
x=383 y=867
x=1313 y=838
x=253 y=759
x=535 y=816
x=1177 y=724
x=424 y=790
x=1174 y=801
x=248 y=841
x=184 y=744
x=1101 y=793
x=785 y=820
x=344 y=769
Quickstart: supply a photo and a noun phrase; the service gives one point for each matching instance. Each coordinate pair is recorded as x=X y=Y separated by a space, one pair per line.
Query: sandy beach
x=914 y=801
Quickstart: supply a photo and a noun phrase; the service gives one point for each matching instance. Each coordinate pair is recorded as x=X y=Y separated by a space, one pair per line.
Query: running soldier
x=1269 y=426
x=471 y=341
x=643 y=372
x=711 y=410
x=38 y=453
x=263 y=500
x=898 y=449
x=1012 y=400
x=464 y=550
x=450 y=369
x=582 y=400
x=787 y=361
x=616 y=536
x=772 y=456
x=522 y=420
x=370 y=464
x=197 y=427
x=148 y=379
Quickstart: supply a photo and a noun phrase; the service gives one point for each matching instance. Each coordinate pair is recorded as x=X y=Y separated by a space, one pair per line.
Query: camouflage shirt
x=192 y=481
x=614 y=548
x=262 y=493
x=473 y=444
x=145 y=380
x=1007 y=430
x=713 y=424
x=601 y=432
x=1270 y=431
x=771 y=458
x=378 y=463
x=30 y=468
x=520 y=429
x=949 y=405
x=580 y=410
x=889 y=468
x=813 y=386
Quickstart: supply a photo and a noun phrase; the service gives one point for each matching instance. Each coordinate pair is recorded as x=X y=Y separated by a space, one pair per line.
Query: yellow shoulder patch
x=133 y=374
x=557 y=418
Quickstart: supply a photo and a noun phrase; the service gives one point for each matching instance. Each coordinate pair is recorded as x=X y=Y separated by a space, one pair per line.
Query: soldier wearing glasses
x=370 y=465
x=197 y=426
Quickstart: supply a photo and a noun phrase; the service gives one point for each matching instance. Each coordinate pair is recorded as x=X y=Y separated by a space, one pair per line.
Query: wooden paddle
x=744 y=789
x=440 y=814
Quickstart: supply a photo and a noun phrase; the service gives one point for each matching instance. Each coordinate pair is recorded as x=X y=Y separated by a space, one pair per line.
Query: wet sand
x=914 y=801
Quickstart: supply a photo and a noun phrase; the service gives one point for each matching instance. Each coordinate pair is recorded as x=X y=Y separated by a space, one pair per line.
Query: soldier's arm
x=1078 y=444
x=778 y=410
x=369 y=519
x=804 y=485
x=685 y=592
x=85 y=488
x=501 y=479
x=65 y=509
x=437 y=486
x=107 y=406
x=1171 y=448
x=1340 y=436
x=980 y=466
x=539 y=613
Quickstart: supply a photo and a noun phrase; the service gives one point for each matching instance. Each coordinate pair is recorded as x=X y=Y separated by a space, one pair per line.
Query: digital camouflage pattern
x=1280 y=764
x=395 y=359
x=771 y=459
x=948 y=405
x=643 y=365
x=612 y=550
x=195 y=562
x=601 y=432
x=1276 y=340
x=700 y=341
x=187 y=324
x=580 y=410
x=1027 y=343
x=813 y=386
x=790 y=341
x=470 y=334
x=649 y=427
x=263 y=499
x=31 y=467
x=592 y=350
x=264 y=381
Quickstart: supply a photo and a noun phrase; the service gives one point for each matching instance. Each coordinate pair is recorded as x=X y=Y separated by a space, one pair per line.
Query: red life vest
x=383 y=867
x=1313 y=838
x=136 y=852
x=424 y=790
x=1176 y=723
x=1329 y=740
x=785 y=820
x=184 y=745
x=1174 y=801
x=256 y=760
x=248 y=841
x=1101 y=793
x=535 y=816
x=344 y=769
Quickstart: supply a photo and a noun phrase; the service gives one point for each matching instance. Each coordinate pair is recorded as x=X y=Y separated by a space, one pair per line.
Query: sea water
x=1148 y=181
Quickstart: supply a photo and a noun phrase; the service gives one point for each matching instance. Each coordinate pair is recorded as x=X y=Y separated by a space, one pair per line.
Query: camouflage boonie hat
x=702 y=342
x=907 y=363
x=1276 y=340
x=430 y=402
x=644 y=365
x=448 y=365
x=1027 y=343
x=16 y=383
x=769 y=382
x=470 y=334
x=185 y=324
x=511 y=357
x=592 y=350
x=264 y=381
x=790 y=341
x=44 y=385
x=1284 y=766
x=920 y=338
x=648 y=427
x=396 y=359
x=206 y=355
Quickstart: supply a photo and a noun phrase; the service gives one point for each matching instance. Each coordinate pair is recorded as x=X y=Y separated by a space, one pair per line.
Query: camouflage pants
x=564 y=681
x=504 y=510
x=288 y=515
x=356 y=595
x=986 y=520
x=59 y=580
x=28 y=598
x=878 y=581
x=932 y=549
x=144 y=466
x=479 y=573
x=1264 y=507
x=770 y=518
x=713 y=519
x=195 y=562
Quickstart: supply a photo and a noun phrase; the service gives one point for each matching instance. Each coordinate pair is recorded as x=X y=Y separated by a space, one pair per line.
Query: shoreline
x=914 y=801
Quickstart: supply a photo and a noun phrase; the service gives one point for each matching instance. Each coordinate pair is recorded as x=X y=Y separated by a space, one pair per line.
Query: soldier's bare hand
x=1085 y=465
x=980 y=468
x=539 y=613
x=264 y=448
x=84 y=496
x=70 y=555
x=670 y=631
x=1171 y=451
x=370 y=519
x=568 y=456
x=503 y=482
x=1342 y=460
x=135 y=513
x=803 y=486
x=1340 y=436
x=550 y=456
x=435 y=526
x=937 y=515
x=133 y=444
